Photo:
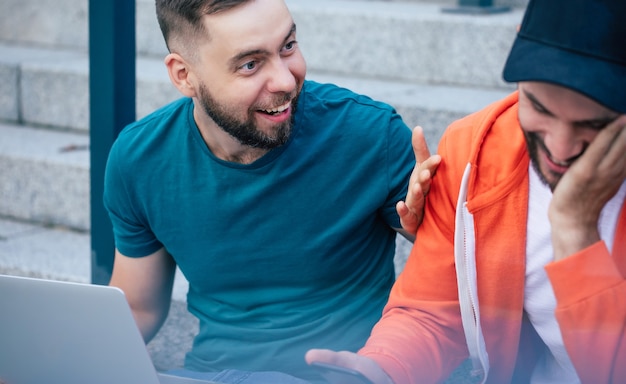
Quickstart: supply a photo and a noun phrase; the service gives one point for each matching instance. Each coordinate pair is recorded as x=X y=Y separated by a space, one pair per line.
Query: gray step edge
x=399 y=40
x=51 y=88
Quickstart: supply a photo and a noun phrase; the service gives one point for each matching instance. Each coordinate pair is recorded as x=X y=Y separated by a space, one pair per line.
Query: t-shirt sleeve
x=400 y=163
x=133 y=237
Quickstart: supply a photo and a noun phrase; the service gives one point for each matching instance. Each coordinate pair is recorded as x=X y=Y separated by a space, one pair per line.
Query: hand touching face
x=592 y=180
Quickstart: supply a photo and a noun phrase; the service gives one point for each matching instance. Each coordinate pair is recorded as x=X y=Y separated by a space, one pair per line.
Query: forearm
x=149 y=314
x=570 y=237
x=420 y=336
x=414 y=355
x=149 y=321
x=147 y=283
x=591 y=312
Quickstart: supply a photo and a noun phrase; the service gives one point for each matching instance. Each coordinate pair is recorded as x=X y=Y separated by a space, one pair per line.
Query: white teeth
x=278 y=109
x=560 y=163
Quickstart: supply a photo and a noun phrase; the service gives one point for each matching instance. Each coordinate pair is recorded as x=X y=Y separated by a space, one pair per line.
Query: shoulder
x=142 y=145
x=467 y=137
x=159 y=119
x=333 y=96
x=331 y=106
x=151 y=129
x=492 y=142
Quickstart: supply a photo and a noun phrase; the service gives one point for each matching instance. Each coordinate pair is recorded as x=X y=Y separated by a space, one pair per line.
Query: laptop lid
x=61 y=332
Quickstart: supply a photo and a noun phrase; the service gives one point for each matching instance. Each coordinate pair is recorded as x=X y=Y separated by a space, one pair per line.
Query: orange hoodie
x=421 y=337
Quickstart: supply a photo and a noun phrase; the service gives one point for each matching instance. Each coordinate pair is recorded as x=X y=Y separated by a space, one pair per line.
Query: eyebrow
x=252 y=52
x=534 y=100
x=600 y=121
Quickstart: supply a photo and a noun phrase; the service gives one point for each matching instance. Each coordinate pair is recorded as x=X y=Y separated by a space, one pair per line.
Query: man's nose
x=565 y=143
x=281 y=79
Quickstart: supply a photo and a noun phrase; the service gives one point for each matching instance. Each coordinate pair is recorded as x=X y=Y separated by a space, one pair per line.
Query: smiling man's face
x=558 y=124
x=250 y=72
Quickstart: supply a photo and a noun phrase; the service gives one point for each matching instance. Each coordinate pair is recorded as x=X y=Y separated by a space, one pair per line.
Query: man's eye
x=539 y=108
x=597 y=126
x=290 y=45
x=249 y=66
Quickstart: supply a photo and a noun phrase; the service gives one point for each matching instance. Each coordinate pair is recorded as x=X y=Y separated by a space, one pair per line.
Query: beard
x=533 y=144
x=246 y=132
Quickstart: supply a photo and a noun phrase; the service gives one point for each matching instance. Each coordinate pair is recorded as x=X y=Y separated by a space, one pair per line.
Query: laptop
x=72 y=333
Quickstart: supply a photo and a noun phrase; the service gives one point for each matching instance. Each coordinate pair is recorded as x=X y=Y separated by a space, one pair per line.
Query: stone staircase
x=434 y=67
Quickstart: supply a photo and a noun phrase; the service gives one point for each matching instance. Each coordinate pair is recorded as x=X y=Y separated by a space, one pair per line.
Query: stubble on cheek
x=537 y=152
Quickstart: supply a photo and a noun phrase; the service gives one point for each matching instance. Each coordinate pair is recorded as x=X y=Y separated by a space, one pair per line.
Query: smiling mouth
x=556 y=166
x=563 y=164
x=559 y=166
x=278 y=110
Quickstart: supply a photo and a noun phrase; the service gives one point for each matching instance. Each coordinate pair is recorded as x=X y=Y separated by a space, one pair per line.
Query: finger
x=606 y=139
x=420 y=148
x=616 y=146
x=411 y=212
x=426 y=172
x=424 y=179
x=342 y=359
x=408 y=220
x=402 y=209
x=415 y=196
x=321 y=355
x=606 y=155
x=431 y=164
x=368 y=367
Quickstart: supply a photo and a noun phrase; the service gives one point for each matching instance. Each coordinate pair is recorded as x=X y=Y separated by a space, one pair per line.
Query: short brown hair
x=181 y=20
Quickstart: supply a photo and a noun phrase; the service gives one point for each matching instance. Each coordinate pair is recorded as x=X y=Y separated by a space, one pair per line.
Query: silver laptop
x=71 y=333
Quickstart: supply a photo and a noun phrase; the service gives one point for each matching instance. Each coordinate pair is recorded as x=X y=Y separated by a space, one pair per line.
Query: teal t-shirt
x=292 y=252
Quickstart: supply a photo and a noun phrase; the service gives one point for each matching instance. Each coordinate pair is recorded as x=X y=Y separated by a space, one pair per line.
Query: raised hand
x=585 y=188
x=411 y=211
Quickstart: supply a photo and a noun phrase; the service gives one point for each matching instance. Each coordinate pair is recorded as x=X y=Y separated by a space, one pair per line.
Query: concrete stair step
x=403 y=40
x=45 y=109
x=54 y=252
x=50 y=88
x=45 y=176
x=58 y=253
x=406 y=41
x=44 y=100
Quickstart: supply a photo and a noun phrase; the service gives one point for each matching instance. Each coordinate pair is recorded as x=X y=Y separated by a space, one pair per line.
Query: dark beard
x=246 y=132
x=532 y=144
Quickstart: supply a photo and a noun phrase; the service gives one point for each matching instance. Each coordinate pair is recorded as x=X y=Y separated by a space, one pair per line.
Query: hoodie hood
x=500 y=131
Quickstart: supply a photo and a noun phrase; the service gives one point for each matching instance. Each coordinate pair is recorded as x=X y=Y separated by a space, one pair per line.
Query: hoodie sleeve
x=420 y=338
x=590 y=289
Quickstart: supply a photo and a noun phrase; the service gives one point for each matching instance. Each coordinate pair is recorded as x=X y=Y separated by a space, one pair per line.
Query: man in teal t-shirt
x=274 y=195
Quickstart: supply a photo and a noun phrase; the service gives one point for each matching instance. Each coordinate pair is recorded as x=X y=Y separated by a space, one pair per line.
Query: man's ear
x=180 y=74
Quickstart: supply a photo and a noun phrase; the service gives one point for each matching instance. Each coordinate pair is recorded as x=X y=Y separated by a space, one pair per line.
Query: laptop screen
x=61 y=332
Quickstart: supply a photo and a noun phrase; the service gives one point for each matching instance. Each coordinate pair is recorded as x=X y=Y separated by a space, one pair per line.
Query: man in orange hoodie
x=520 y=263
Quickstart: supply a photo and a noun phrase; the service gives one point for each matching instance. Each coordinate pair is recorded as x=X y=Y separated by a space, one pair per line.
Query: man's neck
x=224 y=146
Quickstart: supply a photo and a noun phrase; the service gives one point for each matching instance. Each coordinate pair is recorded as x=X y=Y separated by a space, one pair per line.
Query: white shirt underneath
x=539 y=300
